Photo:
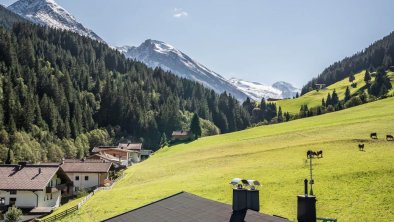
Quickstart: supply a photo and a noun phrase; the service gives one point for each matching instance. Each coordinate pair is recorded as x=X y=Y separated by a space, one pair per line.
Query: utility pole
x=311 y=182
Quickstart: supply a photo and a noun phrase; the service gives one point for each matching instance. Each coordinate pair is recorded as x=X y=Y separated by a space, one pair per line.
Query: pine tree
x=381 y=85
x=297 y=95
x=334 y=98
x=347 y=94
x=367 y=77
x=351 y=77
x=328 y=100
x=163 y=140
x=323 y=103
x=280 y=115
x=9 y=157
x=195 y=126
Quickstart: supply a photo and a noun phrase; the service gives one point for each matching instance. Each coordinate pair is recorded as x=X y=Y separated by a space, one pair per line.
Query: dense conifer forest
x=61 y=94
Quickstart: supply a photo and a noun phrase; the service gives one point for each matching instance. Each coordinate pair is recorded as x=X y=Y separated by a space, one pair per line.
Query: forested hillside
x=378 y=55
x=61 y=93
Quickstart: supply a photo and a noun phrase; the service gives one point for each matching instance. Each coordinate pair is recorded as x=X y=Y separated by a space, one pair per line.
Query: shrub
x=13 y=214
x=82 y=192
x=354 y=101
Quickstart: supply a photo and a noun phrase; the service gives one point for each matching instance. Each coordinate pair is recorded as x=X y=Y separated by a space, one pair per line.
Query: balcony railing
x=52 y=189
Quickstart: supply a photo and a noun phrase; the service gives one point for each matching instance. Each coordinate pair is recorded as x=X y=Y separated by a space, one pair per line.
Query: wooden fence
x=61 y=214
x=80 y=204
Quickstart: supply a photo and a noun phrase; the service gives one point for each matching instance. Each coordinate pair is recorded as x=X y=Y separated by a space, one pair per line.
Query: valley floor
x=350 y=185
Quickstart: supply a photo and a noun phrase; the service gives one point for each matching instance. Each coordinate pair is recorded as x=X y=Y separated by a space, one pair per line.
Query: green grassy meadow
x=314 y=98
x=350 y=185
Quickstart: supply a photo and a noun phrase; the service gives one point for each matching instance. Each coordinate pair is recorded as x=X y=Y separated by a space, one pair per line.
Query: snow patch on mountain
x=49 y=13
x=288 y=90
x=257 y=91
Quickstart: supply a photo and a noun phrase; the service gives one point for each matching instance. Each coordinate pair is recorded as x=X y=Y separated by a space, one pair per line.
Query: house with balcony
x=129 y=153
x=38 y=188
x=87 y=173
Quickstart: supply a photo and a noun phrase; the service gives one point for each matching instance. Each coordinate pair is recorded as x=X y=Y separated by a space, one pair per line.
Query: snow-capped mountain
x=256 y=91
x=288 y=90
x=159 y=54
x=48 y=12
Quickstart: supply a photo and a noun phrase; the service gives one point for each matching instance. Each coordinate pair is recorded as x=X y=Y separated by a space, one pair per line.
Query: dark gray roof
x=186 y=207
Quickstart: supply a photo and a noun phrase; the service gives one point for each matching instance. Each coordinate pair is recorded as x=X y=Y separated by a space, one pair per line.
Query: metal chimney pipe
x=306 y=187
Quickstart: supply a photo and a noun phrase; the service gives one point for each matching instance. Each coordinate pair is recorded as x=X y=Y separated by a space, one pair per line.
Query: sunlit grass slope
x=350 y=185
x=314 y=98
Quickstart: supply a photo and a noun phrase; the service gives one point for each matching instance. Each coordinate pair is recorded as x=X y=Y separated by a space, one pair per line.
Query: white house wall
x=46 y=200
x=82 y=183
x=28 y=199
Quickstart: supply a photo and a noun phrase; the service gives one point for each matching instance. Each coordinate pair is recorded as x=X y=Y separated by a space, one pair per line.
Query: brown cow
x=389 y=138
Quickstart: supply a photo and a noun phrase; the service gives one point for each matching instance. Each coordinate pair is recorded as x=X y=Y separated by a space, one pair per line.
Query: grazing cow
x=374 y=136
x=389 y=137
x=361 y=147
x=310 y=154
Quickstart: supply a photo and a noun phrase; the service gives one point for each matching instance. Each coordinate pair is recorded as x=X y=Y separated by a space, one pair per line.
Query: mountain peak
x=155 y=53
x=49 y=13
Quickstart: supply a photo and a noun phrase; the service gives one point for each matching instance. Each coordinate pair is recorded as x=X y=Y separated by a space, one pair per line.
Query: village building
x=181 y=135
x=129 y=152
x=87 y=174
x=36 y=187
x=145 y=154
x=117 y=163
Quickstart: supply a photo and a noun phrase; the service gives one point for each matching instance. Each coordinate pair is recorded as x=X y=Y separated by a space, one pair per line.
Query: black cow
x=312 y=154
x=374 y=136
x=389 y=138
x=319 y=154
x=361 y=147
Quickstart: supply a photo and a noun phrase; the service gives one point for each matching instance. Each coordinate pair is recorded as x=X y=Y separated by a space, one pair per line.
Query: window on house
x=2 y=200
x=76 y=177
x=13 y=192
x=86 y=177
x=12 y=201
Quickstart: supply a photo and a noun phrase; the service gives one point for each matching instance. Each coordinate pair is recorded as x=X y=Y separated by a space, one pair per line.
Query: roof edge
x=145 y=205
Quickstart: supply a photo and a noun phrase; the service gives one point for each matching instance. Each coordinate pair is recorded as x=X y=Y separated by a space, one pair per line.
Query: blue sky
x=256 y=40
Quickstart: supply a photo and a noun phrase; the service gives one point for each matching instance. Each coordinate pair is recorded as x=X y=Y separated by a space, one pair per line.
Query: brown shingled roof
x=26 y=178
x=85 y=167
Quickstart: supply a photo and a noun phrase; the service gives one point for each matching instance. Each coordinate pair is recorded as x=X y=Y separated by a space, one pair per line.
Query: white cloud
x=179 y=13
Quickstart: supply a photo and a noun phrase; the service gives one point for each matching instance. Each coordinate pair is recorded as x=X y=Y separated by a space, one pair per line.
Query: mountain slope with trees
x=61 y=94
x=379 y=55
